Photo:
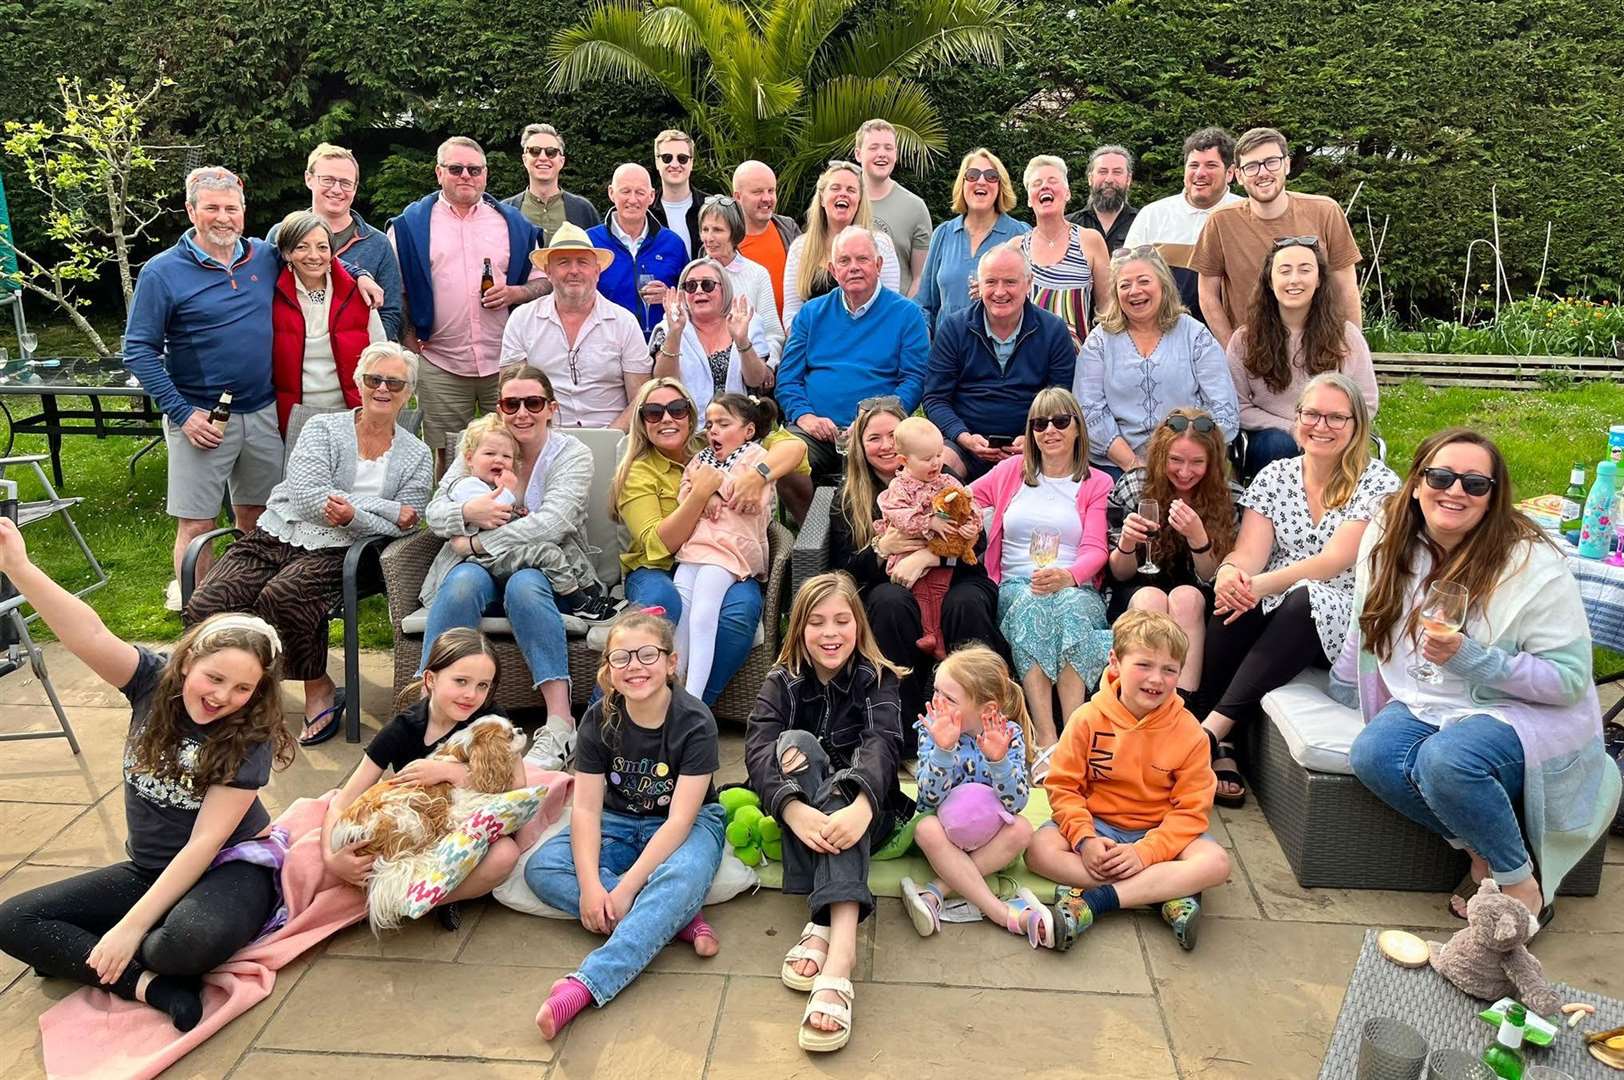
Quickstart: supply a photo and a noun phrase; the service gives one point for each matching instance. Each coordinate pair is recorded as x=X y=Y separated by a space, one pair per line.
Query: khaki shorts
x=448 y=403
x=250 y=460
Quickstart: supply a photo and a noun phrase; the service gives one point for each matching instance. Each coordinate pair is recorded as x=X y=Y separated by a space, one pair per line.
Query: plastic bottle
x=1573 y=499
x=1596 y=532
x=1504 y=1056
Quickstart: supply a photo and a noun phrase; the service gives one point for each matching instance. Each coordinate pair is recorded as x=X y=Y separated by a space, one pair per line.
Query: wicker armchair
x=811 y=554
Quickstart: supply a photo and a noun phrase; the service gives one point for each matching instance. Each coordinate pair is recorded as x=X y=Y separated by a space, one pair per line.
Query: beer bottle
x=221 y=413
x=1504 y=1056
x=1573 y=499
x=486 y=281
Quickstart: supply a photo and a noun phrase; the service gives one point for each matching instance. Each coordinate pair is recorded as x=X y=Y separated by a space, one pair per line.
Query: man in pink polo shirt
x=445 y=241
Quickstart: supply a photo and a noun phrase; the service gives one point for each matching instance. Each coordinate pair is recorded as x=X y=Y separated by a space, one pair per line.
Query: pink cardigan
x=998 y=488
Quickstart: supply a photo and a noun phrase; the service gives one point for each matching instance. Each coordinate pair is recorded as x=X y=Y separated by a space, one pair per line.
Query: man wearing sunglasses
x=678 y=206
x=444 y=241
x=1237 y=239
x=647 y=256
x=544 y=203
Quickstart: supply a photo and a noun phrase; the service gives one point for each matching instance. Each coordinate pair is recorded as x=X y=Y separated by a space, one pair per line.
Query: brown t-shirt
x=1234 y=244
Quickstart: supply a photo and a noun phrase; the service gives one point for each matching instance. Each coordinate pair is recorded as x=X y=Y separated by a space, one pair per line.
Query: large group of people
x=1101 y=483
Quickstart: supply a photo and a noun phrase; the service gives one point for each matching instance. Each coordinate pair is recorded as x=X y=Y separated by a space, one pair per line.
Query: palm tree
x=786 y=81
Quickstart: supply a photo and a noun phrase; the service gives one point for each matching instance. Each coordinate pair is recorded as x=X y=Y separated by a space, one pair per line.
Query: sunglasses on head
x=884 y=401
x=989 y=175
x=459 y=169
x=1203 y=424
x=1295 y=241
x=549 y=151
x=704 y=285
x=1061 y=422
x=372 y=382
x=680 y=159
x=1439 y=478
x=653 y=412
x=719 y=200
x=534 y=403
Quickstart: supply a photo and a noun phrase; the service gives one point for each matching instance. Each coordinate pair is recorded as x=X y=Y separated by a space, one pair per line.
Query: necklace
x=317 y=296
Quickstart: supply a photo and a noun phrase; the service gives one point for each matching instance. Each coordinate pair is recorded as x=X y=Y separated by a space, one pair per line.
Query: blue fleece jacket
x=412 y=229
x=662 y=254
x=833 y=361
x=966 y=390
x=370 y=249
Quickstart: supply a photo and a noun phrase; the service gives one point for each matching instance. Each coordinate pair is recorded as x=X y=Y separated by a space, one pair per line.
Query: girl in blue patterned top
x=973 y=763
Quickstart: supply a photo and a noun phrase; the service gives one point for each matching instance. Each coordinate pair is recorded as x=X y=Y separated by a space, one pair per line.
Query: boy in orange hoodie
x=1131 y=786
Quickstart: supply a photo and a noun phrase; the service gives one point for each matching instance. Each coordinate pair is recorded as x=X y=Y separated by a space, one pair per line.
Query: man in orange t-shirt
x=767 y=235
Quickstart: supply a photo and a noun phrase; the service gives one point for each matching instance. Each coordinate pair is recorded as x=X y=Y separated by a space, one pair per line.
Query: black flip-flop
x=1219 y=751
x=1463 y=892
x=334 y=715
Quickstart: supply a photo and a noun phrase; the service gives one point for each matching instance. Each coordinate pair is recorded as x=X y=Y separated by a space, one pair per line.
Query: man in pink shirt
x=446 y=242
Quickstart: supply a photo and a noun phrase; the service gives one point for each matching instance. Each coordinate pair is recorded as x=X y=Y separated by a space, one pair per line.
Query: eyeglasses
x=1439 y=478
x=372 y=382
x=680 y=159
x=538 y=151
x=884 y=401
x=1138 y=251
x=1061 y=422
x=1203 y=424
x=647 y=656
x=338 y=182
x=653 y=412
x=534 y=403
x=1336 y=421
x=1269 y=164
x=1295 y=241
x=705 y=285
x=459 y=169
x=989 y=175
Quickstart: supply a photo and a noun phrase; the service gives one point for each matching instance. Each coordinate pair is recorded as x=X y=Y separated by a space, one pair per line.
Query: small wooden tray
x=1403 y=948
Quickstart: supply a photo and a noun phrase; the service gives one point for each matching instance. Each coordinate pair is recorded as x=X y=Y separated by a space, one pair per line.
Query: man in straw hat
x=590 y=347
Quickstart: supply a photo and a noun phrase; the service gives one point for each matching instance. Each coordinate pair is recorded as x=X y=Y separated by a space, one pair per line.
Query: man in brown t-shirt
x=1237 y=239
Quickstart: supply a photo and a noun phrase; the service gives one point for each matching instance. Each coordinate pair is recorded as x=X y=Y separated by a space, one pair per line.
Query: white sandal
x=824 y=1041
x=805 y=950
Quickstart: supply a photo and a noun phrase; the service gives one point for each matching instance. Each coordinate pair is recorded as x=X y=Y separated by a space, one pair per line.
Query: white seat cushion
x=574 y=628
x=1318 y=731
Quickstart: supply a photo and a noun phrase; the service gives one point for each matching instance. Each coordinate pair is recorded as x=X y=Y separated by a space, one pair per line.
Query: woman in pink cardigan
x=1049 y=605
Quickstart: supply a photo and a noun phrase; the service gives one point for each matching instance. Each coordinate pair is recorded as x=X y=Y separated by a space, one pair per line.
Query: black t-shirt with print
x=401 y=741
x=640 y=766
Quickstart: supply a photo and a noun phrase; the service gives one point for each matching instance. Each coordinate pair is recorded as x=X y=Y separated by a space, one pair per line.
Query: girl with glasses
x=982 y=198
x=1499 y=749
x=838 y=201
x=644 y=838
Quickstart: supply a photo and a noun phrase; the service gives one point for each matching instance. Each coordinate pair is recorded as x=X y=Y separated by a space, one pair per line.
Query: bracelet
x=1203 y=549
x=1120 y=550
x=669 y=355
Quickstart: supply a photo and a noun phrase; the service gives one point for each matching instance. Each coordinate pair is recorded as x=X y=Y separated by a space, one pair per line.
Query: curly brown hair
x=1211 y=499
x=230 y=739
x=1268 y=342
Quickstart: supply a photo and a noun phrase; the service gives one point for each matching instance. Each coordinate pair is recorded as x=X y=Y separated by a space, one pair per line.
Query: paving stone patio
x=1257 y=999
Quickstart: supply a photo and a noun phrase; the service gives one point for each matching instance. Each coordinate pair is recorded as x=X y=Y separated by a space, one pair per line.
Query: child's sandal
x=805 y=950
x=840 y=1012
x=1028 y=916
x=924 y=907
x=1072 y=916
x=1184 y=916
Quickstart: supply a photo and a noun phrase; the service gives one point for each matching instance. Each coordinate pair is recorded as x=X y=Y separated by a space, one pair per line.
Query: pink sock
x=697 y=928
x=567 y=998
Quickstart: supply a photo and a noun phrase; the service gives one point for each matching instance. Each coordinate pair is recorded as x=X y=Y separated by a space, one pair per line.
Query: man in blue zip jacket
x=643 y=249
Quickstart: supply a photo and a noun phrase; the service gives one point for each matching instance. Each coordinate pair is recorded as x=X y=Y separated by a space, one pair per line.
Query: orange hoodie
x=1154 y=774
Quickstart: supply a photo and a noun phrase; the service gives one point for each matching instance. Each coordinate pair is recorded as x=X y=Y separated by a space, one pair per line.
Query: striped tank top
x=1065 y=289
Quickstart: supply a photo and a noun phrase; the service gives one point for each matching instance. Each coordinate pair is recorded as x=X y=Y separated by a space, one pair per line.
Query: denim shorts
x=1117 y=834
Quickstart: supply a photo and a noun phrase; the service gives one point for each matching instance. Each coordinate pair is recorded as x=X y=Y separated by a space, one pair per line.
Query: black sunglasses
x=372 y=382
x=458 y=170
x=1295 y=241
x=537 y=151
x=1441 y=479
x=704 y=285
x=653 y=412
x=1061 y=422
x=534 y=403
x=681 y=159
x=989 y=175
x=1203 y=424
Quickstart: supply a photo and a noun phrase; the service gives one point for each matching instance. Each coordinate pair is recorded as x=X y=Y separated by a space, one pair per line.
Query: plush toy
x=971 y=815
x=1489 y=958
x=752 y=834
x=955 y=505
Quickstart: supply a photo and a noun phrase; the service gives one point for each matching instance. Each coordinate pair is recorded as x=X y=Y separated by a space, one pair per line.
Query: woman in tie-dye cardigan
x=1511 y=728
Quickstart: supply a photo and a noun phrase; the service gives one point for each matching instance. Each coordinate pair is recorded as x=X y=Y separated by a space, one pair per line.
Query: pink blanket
x=94 y=1034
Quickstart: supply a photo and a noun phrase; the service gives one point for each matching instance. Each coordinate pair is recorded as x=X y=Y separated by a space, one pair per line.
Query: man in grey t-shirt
x=898 y=212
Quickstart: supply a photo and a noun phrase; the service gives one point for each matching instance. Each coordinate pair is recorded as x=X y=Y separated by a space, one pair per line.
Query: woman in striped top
x=1066 y=259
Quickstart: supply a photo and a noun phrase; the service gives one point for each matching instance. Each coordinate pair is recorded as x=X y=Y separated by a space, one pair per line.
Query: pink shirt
x=1261 y=407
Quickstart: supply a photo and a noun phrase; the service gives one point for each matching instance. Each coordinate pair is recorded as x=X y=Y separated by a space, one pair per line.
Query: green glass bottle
x=1573 y=499
x=1505 y=1056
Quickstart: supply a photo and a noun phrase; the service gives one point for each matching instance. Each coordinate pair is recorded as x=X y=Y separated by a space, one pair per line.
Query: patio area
x=1258 y=998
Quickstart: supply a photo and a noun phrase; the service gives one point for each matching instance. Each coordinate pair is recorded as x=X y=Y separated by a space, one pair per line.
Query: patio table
x=102 y=380
x=1601 y=585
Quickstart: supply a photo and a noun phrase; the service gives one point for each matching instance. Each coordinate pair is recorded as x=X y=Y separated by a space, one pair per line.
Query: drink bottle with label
x=221 y=413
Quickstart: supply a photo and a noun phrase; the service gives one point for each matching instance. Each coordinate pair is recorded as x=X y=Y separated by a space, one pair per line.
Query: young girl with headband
x=203 y=874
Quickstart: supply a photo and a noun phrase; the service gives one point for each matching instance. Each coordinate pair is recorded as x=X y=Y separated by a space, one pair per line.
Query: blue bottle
x=1596 y=534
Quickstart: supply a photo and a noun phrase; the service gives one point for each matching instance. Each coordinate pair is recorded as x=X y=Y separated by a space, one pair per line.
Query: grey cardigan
x=323 y=464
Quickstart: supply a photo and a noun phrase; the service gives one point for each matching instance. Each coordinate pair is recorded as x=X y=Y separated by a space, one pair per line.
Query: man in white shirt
x=898 y=212
x=678 y=206
x=1173 y=224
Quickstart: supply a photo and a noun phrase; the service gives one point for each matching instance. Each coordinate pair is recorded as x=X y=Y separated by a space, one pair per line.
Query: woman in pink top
x=1294 y=332
x=1049 y=605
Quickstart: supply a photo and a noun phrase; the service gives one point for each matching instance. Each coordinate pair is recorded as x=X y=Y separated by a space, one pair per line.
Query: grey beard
x=1107 y=197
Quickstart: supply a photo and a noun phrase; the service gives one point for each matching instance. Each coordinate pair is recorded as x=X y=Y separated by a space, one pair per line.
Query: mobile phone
x=999 y=442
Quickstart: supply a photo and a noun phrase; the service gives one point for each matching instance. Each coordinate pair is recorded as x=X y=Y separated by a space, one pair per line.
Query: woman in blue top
x=982 y=198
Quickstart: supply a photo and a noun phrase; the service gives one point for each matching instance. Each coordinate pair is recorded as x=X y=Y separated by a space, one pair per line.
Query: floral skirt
x=1066 y=628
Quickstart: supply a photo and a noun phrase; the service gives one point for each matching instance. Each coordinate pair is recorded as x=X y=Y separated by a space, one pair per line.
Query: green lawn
x=1541 y=431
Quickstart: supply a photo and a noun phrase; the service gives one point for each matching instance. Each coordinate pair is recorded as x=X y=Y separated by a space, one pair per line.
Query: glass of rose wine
x=1443 y=612
x=1044 y=547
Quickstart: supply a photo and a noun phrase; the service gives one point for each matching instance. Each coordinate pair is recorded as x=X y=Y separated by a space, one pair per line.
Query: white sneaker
x=172 y=597
x=553 y=746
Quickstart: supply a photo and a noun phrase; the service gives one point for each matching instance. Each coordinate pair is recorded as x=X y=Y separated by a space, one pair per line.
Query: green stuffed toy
x=752 y=834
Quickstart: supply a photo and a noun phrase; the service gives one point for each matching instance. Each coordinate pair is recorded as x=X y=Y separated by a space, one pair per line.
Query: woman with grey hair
x=721 y=231
x=1067 y=259
x=350 y=475
x=319 y=321
x=711 y=338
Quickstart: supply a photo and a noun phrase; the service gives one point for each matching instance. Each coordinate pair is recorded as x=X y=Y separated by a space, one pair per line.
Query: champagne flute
x=1443 y=612
x=1151 y=512
x=1044 y=547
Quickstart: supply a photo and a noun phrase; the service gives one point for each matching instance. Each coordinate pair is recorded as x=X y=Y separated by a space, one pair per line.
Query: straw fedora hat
x=570 y=237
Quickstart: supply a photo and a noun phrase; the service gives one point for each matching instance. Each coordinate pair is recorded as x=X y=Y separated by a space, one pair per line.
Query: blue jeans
x=527 y=599
x=669 y=900
x=1464 y=781
x=735 y=631
x=1265 y=445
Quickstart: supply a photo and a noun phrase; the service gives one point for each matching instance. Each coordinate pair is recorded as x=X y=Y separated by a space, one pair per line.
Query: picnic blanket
x=91 y=1033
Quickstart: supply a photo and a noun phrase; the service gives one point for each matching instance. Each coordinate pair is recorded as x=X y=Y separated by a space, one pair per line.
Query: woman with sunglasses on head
x=1145 y=356
x=645 y=496
x=1295 y=331
x=711 y=338
x=839 y=201
x=721 y=231
x=349 y=475
x=982 y=198
x=1284 y=594
x=1186 y=474
x=1067 y=258
x=1488 y=734
x=516 y=546
x=1046 y=542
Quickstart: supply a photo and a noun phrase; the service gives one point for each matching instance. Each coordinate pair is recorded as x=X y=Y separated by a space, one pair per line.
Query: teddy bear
x=955 y=505
x=1489 y=958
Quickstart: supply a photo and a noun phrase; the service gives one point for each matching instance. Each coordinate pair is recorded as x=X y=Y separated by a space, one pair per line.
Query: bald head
x=755 y=189
x=632 y=192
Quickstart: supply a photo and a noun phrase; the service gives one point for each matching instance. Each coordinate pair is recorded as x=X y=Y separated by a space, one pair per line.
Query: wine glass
x=5 y=361
x=29 y=341
x=1044 y=547
x=1443 y=612
x=643 y=282
x=1151 y=512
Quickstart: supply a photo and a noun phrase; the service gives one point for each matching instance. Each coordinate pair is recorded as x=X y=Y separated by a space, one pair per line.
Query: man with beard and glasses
x=543 y=202
x=1110 y=175
x=1173 y=224
x=590 y=347
x=1237 y=239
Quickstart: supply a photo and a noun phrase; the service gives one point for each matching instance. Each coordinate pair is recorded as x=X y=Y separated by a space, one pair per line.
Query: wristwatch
x=766 y=473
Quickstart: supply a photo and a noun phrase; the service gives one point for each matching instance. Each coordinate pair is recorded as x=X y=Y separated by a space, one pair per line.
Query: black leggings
x=969 y=613
x=54 y=927
x=1258 y=653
